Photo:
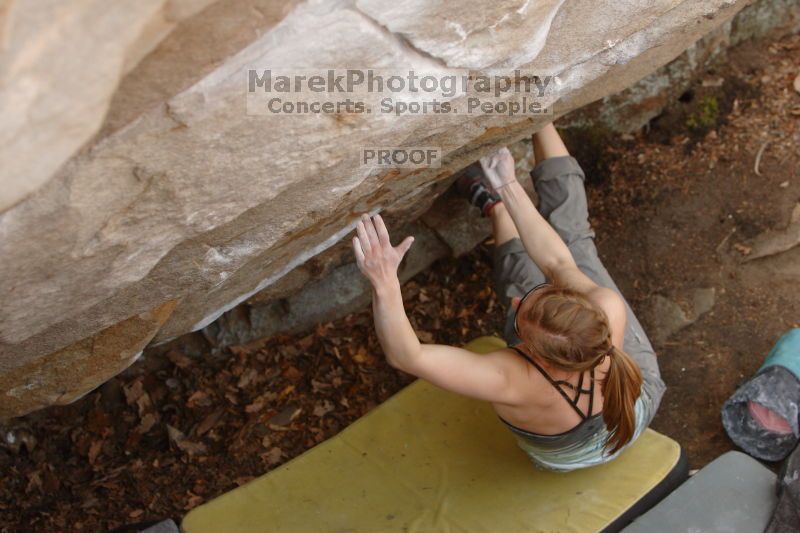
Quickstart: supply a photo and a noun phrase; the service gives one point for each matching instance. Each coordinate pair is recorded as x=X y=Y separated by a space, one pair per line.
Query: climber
x=579 y=381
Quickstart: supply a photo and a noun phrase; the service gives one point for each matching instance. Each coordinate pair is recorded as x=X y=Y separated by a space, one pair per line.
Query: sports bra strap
x=557 y=385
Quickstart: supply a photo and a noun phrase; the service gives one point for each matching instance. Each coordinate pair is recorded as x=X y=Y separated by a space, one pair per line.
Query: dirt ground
x=675 y=209
x=678 y=212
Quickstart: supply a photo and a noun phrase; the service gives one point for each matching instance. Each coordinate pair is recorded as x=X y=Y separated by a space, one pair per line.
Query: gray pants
x=559 y=182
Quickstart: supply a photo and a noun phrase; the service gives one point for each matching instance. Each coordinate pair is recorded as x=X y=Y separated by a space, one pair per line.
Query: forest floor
x=676 y=209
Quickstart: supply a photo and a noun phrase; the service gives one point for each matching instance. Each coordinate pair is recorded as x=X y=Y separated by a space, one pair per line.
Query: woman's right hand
x=498 y=167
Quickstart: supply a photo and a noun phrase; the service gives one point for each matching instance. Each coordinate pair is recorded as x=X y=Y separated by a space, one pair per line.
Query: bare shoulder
x=606 y=299
x=613 y=306
x=525 y=383
x=507 y=359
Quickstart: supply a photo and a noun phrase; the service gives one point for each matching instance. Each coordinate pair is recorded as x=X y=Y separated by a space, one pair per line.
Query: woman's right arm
x=540 y=240
x=543 y=244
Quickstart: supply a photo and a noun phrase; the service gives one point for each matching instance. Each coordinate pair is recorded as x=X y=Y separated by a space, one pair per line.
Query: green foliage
x=705 y=115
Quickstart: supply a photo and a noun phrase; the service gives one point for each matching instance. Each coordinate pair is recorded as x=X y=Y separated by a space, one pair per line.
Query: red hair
x=567 y=330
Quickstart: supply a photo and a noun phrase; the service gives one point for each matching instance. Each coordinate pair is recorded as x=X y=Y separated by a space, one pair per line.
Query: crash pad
x=732 y=494
x=430 y=460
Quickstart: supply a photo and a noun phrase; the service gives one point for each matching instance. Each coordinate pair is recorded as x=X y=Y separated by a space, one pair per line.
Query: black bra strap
x=555 y=384
x=578 y=392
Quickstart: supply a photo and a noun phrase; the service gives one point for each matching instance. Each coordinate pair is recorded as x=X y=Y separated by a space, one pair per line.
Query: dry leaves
x=322 y=409
x=147 y=422
x=273 y=456
x=210 y=422
x=183 y=443
x=287 y=415
x=94 y=450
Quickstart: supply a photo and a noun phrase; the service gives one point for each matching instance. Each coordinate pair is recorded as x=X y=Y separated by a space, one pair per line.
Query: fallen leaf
x=144 y=404
x=209 y=422
x=99 y=422
x=255 y=406
x=742 y=249
x=184 y=444
x=289 y=413
x=134 y=391
x=360 y=356
x=231 y=397
x=797 y=83
x=317 y=386
x=247 y=378
x=192 y=501
x=286 y=391
x=34 y=482
x=89 y=503
x=94 y=450
x=273 y=456
x=250 y=347
x=179 y=359
x=198 y=398
x=291 y=373
x=306 y=342
x=147 y=423
x=323 y=409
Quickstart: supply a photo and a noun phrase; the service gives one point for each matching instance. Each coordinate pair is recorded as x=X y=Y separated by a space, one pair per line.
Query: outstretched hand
x=498 y=167
x=376 y=258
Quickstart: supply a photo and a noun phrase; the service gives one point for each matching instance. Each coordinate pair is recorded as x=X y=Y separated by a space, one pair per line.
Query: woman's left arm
x=486 y=377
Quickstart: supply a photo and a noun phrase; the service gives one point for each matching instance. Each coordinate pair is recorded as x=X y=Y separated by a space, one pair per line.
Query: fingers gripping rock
x=498 y=167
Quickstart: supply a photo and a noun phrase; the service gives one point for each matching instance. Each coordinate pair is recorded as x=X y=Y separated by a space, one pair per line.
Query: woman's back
x=556 y=434
x=552 y=401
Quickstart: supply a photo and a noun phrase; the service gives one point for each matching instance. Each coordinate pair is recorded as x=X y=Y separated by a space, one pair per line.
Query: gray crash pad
x=732 y=494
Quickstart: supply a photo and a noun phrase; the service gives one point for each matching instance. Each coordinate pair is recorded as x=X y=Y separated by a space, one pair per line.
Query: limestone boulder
x=187 y=204
x=467 y=36
x=61 y=62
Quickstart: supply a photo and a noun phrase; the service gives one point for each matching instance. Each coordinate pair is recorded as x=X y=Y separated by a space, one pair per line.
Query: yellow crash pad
x=430 y=460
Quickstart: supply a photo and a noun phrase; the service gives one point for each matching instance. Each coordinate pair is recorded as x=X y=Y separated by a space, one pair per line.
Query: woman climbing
x=579 y=381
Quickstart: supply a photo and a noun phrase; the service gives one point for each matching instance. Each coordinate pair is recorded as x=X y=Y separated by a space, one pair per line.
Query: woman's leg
x=514 y=271
x=547 y=143
x=559 y=182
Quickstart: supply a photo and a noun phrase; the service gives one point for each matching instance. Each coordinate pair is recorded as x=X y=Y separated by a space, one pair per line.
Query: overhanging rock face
x=61 y=62
x=183 y=205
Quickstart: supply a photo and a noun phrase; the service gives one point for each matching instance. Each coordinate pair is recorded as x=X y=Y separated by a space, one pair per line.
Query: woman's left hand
x=376 y=258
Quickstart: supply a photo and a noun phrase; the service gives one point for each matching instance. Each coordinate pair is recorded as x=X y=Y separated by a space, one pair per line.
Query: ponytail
x=572 y=333
x=621 y=387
